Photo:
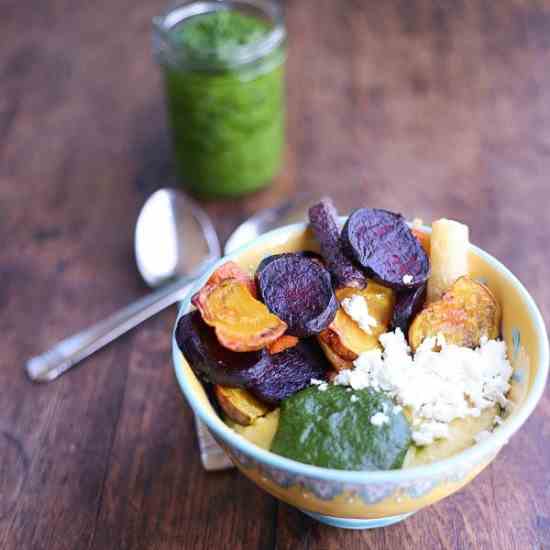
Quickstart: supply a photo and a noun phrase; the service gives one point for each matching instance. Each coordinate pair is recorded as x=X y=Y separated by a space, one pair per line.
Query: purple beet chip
x=209 y=359
x=271 y=378
x=323 y=219
x=382 y=243
x=297 y=289
x=283 y=374
x=408 y=303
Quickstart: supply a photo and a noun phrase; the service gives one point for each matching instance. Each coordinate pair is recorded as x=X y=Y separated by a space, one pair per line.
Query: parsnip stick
x=448 y=256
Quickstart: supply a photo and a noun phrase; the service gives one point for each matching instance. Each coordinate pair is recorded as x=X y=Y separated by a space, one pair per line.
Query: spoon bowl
x=172 y=237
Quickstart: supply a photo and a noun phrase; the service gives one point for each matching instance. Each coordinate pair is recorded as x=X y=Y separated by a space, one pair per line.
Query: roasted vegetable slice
x=382 y=243
x=208 y=358
x=323 y=219
x=423 y=239
x=284 y=342
x=283 y=374
x=344 y=337
x=407 y=305
x=268 y=377
x=465 y=313
x=449 y=251
x=335 y=360
x=299 y=291
x=231 y=270
x=239 y=404
x=242 y=323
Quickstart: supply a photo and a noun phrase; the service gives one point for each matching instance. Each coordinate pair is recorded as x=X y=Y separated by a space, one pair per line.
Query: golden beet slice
x=239 y=404
x=335 y=360
x=344 y=337
x=232 y=270
x=465 y=313
x=241 y=322
x=284 y=342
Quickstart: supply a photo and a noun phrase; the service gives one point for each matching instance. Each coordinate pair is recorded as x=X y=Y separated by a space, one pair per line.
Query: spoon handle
x=67 y=353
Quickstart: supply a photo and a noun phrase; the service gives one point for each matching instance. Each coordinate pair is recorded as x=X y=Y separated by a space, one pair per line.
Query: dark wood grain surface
x=433 y=108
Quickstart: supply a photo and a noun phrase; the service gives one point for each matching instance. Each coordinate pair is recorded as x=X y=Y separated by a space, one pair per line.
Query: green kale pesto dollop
x=333 y=429
x=226 y=114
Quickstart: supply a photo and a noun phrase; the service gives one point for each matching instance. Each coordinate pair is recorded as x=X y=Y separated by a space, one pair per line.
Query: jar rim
x=165 y=46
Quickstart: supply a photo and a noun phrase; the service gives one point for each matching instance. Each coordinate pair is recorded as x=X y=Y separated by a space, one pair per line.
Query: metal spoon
x=175 y=242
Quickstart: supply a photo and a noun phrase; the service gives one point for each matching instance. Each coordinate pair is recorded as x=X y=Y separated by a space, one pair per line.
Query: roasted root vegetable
x=239 y=404
x=270 y=378
x=423 y=239
x=407 y=304
x=448 y=256
x=466 y=312
x=298 y=290
x=208 y=358
x=335 y=360
x=383 y=244
x=344 y=338
x=242 y=323
x=284 y=342
x=281 y=375
x=323 y=219
x=231 y=270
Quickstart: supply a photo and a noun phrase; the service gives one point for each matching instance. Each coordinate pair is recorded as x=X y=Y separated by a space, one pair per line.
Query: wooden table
x=433 y=108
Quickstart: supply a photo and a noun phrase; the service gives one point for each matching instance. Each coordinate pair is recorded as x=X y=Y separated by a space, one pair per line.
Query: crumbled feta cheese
x=379 y=419
x=354 y=398
x=428 y=431
x=436 y=386
x=407 y=279
x=482 y=436
x=357 y=308
x=397 y=409
x=321 y=384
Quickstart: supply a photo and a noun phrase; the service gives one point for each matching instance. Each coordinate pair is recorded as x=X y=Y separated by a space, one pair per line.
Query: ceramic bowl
x=354 y=499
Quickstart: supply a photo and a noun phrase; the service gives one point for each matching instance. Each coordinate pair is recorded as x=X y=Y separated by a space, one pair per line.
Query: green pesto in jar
x=227 y=118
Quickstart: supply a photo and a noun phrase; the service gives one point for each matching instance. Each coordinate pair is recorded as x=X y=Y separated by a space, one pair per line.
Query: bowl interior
x=522 y=329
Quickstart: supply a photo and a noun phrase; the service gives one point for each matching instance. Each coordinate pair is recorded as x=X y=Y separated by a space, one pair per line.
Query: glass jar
x=223 y=67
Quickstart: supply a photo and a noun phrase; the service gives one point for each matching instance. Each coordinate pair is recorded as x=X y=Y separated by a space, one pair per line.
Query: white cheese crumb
x=397 y=409
x=379 y=419
x=436 y=386
x=358 y=309
x=354 y=398
x=321 y=384
x=482 y=436
x=407 y=279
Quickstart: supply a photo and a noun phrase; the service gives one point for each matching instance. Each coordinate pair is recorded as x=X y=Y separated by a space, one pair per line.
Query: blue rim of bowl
x=474 y=455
